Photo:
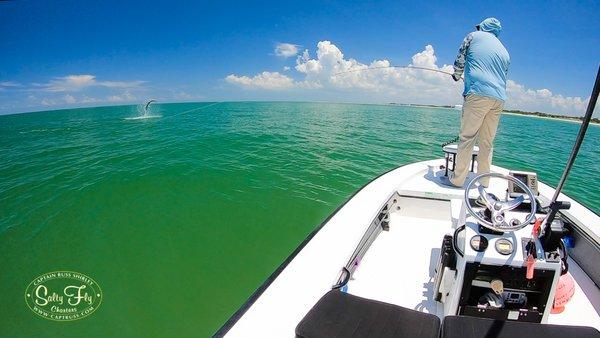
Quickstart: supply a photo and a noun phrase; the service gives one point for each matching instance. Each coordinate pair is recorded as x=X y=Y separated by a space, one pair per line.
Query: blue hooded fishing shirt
x=484 y=61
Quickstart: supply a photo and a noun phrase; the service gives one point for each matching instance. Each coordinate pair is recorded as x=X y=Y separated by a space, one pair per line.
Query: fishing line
x=399 y=67
x=191 y=110
x=406 y=67
x=134 y=126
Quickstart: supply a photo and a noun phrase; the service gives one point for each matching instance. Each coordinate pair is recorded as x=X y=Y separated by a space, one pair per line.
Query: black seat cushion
x=339 y=314
x=473 y=327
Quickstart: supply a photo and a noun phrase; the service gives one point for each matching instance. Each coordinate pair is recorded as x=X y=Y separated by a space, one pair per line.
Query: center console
x=488 y=275
x=495 y=281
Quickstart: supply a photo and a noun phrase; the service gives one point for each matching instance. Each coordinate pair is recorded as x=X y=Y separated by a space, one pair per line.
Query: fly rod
x=580 y=136
x=393 y=67
x=552 y=236
x=404 y=67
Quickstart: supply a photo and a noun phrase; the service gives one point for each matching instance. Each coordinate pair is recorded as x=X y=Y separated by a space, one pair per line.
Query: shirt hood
x=490 y=25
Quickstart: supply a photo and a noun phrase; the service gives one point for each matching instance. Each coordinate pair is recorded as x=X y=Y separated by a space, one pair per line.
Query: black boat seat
x=339 y=314
x=474 y=327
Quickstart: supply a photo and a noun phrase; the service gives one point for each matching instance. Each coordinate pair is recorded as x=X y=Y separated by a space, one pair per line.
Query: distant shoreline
x=572 y=119
x=537 y=114
x=577 y=119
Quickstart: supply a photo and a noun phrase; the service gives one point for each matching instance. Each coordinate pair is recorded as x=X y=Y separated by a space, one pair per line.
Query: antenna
x=582 y=131
x=552 y=236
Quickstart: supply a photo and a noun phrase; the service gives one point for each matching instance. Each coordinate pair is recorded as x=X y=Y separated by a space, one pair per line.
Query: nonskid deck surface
x=399 y=268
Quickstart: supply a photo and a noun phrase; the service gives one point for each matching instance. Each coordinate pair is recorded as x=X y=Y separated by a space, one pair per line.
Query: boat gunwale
x=240 y=312
x=259 y=291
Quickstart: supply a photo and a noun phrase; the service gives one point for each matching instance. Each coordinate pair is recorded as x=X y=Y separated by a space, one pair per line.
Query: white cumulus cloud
x=120 y=84
x=49 y=102
x=87 y=99
x=286 y=50
x=331 y=71
x=78 y=82
x=70 y=83
x=70 y=99
x=264 y=80
x=9 y=84
x=67 y=99
x=124 y=97
x=543 y=100
x=183 y=96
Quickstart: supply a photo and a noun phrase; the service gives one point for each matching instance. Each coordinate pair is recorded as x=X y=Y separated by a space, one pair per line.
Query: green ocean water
x=180 y=218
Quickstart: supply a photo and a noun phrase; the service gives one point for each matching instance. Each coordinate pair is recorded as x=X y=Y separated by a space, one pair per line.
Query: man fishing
x=484 y=61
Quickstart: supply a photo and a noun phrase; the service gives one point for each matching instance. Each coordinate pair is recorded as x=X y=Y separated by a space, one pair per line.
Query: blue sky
x=60 y=54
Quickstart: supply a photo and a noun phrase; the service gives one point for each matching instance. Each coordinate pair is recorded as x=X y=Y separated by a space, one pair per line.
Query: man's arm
x=459 y=63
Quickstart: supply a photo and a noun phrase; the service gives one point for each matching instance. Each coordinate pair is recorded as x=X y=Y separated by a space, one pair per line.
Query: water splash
x=145 y=111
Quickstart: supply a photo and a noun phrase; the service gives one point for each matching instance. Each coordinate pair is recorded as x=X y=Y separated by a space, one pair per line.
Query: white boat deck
x=401 y=264
x=398 y=268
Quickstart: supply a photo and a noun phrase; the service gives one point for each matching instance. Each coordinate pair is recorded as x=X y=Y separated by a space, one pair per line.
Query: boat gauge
x=479 y=243
x=504 y=246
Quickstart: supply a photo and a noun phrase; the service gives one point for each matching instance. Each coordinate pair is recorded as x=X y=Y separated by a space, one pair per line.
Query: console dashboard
x=495 y=283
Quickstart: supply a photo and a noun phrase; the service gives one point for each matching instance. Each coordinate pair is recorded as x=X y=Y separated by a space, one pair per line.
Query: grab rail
x=378 y=224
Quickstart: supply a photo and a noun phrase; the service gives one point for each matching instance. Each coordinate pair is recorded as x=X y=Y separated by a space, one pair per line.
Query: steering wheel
x=498 y=207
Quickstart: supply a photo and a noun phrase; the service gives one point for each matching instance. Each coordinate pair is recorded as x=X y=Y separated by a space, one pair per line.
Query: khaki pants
x=480 y=117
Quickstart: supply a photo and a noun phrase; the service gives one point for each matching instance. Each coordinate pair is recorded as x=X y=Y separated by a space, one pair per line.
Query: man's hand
x=456 y=77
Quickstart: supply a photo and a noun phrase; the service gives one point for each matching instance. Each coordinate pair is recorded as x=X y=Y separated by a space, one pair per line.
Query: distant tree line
x=535 y=113
x=555 y=116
